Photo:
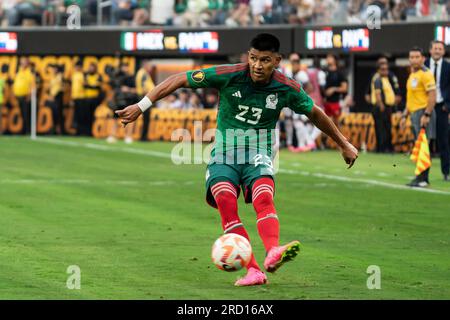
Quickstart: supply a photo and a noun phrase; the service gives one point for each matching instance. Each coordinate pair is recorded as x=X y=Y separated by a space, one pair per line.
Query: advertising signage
x=442 y=33
x=159 y=40
x=349 y=39
x=8 y=42
x=180 y=42
x=391 y=38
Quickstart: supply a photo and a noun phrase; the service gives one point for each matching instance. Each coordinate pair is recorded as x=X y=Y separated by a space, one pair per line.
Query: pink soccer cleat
x=277 y=256
x=253 y=277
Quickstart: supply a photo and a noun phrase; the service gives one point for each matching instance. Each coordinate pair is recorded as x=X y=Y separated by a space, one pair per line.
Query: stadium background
x=175 y=50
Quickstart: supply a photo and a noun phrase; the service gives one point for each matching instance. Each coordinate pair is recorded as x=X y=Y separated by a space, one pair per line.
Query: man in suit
x=441 y=71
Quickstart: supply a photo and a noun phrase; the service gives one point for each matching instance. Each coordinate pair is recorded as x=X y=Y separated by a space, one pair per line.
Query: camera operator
x=124 y=88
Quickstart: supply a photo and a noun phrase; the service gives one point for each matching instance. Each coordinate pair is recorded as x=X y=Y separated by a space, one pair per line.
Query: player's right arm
x=214 y=77
x=162 y=90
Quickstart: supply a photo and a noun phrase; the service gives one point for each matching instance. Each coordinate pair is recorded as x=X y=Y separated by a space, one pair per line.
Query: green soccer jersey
x=248 y=112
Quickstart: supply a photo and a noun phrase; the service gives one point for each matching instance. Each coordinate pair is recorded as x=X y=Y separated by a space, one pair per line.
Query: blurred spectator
x=195 y=13
x=293 y=120
x=383 y=100
x=25 y=12
x=3 y=78
x=124 y=87
x=170 y=102
x=233 y=13
x=323 y=10
x=317 y=80
x=335 y=88
x=304 y=11
x=261 y=11
x=130 y=12
x=183 y=97
x=162 y=11
x=144 y=84
x=393 y=80
x=22 y=89
x=240 y=16
x=195 y=102
x=77 y=96
x=55 y=97
x=220 y=10
x=94 y=95
x=210 y=99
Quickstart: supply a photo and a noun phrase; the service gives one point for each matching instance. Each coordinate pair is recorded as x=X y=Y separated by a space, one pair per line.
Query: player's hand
x=129 y=114
x=350 y=154
x=424 y=121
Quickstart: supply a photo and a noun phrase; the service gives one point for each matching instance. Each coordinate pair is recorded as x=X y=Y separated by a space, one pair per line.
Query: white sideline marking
x=103 y=182
x=366 y=181
x=285 y=171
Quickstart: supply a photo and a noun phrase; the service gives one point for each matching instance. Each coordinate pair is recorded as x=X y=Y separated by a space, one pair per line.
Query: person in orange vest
x=420 y=102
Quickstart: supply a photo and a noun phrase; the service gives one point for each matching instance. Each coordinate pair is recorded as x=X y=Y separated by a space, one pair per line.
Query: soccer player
x=251 y=98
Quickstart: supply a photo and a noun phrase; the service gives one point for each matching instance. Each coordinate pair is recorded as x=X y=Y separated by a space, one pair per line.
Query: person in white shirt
x=305 y=132
x=441 y=71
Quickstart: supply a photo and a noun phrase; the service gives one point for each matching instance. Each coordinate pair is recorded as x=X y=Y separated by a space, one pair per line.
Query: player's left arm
x=324 y=123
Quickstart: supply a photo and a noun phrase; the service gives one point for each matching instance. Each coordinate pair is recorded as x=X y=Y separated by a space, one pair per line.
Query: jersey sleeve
x=300 y=102
x=206 y=78
x=428 y=81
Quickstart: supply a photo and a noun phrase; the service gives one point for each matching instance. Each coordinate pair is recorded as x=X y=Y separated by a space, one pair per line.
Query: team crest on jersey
x=198 y=76
x=271 y=101
x=414 y=83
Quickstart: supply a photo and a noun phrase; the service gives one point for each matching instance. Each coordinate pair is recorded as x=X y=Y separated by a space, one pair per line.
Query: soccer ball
x=231 y=252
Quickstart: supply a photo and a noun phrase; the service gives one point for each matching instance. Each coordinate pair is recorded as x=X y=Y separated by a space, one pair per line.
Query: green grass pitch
x=139 y=228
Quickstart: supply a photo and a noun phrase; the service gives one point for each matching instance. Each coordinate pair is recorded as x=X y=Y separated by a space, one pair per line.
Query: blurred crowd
x=325 y=79
x=201 y=13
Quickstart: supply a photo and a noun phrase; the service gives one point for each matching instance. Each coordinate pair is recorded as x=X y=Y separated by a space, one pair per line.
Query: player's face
x=415 y=59
x=437 y=51
x=262 y=64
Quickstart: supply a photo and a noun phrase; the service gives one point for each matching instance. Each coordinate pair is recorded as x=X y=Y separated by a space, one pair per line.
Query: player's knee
x=224 y=193
x=263 y=200
x=262 y=195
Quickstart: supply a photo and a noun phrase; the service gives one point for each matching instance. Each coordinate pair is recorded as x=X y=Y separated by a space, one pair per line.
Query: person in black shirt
x=336 y=87
x=124 y=86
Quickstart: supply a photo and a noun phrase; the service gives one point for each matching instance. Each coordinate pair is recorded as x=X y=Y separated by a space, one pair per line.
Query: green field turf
x=139 y=228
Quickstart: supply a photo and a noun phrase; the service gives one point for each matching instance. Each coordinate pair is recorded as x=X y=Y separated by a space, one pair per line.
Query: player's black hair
x=417 y=49
x=265 y=42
